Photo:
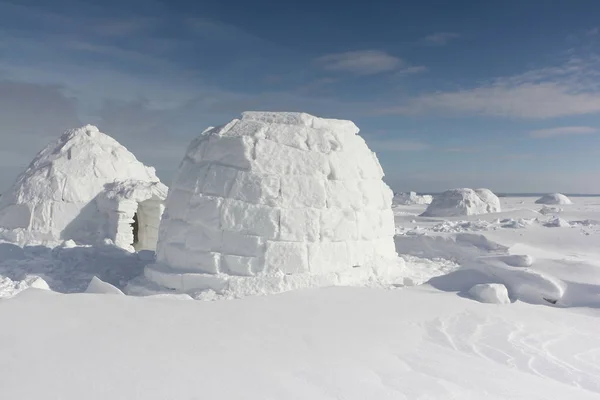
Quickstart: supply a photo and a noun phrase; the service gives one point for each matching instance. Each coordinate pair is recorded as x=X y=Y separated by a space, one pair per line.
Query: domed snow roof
x=463 y=202
x=554 y=198
x=63 y=178
x=274 y=193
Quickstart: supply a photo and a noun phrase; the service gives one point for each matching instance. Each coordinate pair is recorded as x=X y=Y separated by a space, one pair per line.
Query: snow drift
x=86 y=187
x=461 y=202
x=554 y=198
x=410 y=198
x=282 y=200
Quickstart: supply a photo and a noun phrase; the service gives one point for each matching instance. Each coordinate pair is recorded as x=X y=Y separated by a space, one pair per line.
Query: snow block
x=278 y=159
x=239 y=265
x=205 y=210
x=236 y=243
x=250 y=219
x=494 y=293
x=255 y=188
x=288 y=257
x=218 y=180
x=300 y=225
x=303 y=191
x=328 y=257
x=338 y=225
x=232 y=151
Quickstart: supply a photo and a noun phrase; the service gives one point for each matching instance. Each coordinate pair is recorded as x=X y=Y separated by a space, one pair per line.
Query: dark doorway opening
x=135 y=227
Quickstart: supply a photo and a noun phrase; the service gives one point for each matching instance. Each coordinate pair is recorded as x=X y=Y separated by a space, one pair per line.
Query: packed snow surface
x=379 y=342
x=55 y=198
x=456 y=202
x=554 y=198
x=490 y=293
x=275 y=201
x=327 y=343
x=410 y=198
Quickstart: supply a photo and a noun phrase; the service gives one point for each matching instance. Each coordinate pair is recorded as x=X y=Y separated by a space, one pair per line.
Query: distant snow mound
x=57 y=197
x=494 y=293
x=462 y=202
x=489 y=198
x=275 y=201
x=554 y=199
x=550 y=210
x=557 y=222
x=411 y=198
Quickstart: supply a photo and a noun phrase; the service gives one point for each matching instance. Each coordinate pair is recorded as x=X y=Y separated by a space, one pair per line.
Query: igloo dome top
x=269 y=193
x=554 y=198
x=463 y=202
x=63 y=178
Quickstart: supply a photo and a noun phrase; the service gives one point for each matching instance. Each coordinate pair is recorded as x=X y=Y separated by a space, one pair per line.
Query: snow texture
x=490 y=293
x=322 y=344
x=98 y=286
x=84 y=187
x=462 y=202
x=274 y=195
x=554 y=199
x=410 y=198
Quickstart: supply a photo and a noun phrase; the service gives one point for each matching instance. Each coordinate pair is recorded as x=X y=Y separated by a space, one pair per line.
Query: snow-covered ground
x=425 y=339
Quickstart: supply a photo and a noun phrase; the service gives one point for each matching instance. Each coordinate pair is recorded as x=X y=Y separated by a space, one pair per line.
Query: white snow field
x=327 y=343
x=502 y=304
x=86 y=187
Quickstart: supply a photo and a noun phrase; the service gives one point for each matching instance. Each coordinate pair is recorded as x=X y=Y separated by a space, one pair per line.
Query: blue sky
x=499 y=94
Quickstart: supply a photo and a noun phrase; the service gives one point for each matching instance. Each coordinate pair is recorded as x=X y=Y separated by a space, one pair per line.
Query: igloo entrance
x=144 y=225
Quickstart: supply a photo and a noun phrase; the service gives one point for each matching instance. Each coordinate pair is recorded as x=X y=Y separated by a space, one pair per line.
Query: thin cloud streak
x=365 y=62
x=440 y=38
x=568 y=90
x=562 y=131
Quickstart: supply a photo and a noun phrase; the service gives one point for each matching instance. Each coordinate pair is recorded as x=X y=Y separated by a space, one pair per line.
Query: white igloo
x=411 y=198
x=554 y=198
x=84 y=187
x=280 y=199
x=463 y=202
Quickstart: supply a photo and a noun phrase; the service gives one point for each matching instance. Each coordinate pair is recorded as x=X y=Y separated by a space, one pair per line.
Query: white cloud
x=440 y=38
x=365 y=62
x=562 y=131
x=567 y=90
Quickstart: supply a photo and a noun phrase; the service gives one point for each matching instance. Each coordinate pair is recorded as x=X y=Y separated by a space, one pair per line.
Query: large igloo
x=85 y=187
x=283 y=199
x=463 y=202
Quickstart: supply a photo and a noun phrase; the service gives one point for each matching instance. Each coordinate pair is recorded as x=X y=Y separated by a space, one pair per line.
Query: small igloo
x=463 y=202
x=288 y=197
x=554 y=198
x=84 y=187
